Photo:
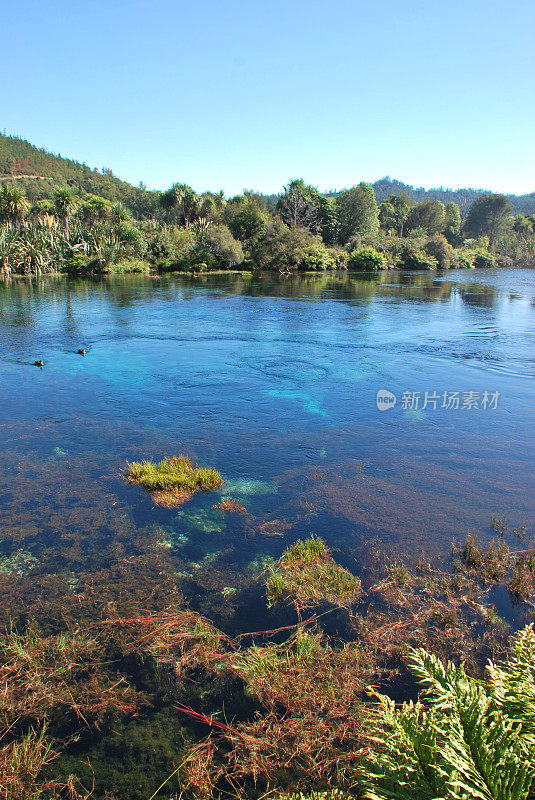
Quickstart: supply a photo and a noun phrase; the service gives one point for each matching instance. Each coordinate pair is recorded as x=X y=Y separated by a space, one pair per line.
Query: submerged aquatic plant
x=201 y=521
x=18 y=563
x=307 y=572
x=41 y=673
x=496 y=563
x=489 y=564
x=172 y=481
x=245 y=487
x=21 y=763
x=228 y=504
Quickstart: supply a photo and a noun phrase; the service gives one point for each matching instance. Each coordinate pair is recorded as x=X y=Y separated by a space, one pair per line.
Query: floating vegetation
x=18 y=563
x=282 y=673
x=228 y=504
x=310 y=727
x=172 y=481
x=490 y=564
x=37 y=674
x=499 y=524
x=21 y=763
x=522 y=581
x=308 y=573
x=497 y=563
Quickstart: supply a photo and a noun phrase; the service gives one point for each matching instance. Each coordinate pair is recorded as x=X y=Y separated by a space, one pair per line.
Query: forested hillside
x=522 y=204
x=37 y=171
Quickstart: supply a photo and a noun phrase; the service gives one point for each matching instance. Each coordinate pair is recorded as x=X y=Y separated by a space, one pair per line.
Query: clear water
x=273 y=381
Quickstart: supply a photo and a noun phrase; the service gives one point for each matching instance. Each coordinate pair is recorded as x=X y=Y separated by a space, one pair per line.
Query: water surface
x=273 y=381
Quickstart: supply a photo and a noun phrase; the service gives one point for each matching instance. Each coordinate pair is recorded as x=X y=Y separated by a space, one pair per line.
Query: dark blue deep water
x=273 y=381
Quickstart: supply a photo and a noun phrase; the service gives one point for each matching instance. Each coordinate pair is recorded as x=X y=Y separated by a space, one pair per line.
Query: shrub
x=413 y=257
x=219 y=246
x=129 y=265
x=317 y=257
x=368 y=259
x=463 y=260
x=484 y=260
x=76 y=263
x=439 y=248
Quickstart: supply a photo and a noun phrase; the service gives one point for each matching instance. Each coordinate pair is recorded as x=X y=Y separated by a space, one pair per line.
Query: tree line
x=303 y=229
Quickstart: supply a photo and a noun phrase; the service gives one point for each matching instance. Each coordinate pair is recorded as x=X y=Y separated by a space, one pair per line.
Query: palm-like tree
x=182 y=198
x=13 y=203
x=120 y=213
x=65 y=204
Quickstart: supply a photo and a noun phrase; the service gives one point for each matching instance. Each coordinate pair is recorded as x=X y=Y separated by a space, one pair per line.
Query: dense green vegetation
x=470 y=739
x=172 y=481
x=60 y=216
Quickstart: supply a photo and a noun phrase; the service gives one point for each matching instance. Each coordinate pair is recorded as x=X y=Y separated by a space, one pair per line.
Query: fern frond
x=512 y=684
x=474 y=743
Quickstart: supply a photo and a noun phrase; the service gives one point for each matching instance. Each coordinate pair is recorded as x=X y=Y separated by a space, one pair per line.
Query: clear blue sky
x=240 y=94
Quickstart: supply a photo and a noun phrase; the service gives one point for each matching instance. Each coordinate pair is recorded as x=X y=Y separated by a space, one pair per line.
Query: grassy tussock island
x=307 y=572
x=172 y=481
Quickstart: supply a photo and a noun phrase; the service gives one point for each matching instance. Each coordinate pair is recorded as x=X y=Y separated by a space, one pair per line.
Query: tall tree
x=487 y=216
x=13 y=203
x=64 y=203
x=453 y=217
x=429 y=215
x=393 y=213
x=357 y=212
x=298 y=206
x=246 y=219
x=182 y=203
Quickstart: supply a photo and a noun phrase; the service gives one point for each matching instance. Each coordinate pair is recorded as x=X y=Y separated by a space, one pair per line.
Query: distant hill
x=39 y=171
x=523 y=204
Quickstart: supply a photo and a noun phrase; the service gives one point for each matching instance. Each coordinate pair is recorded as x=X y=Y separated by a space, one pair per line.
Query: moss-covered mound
x=172 y=481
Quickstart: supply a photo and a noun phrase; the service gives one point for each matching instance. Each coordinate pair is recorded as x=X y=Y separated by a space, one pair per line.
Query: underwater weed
x=228 y=504
x=522 y=581
x=499 y=524
x=22 y=761
x=40 y=674
x=172 y=481
x=489 y=564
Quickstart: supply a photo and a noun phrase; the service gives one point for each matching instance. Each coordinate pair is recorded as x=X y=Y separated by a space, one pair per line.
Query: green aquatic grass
x=305 y=551
x=169 y=474
x=307 y=572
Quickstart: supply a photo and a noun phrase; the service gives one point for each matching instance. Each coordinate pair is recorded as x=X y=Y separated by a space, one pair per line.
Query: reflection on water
x=273 y=382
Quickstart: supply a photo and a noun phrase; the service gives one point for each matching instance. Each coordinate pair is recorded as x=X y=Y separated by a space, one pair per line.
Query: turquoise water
x=273 y=381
